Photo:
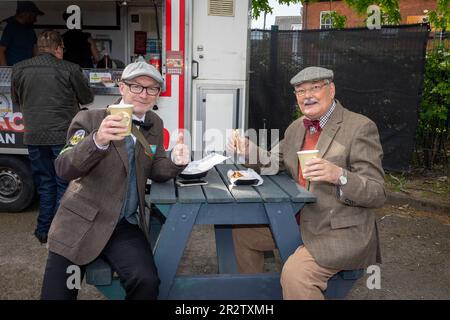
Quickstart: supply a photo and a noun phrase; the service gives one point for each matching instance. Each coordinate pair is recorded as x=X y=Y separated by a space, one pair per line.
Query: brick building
x=412 y=11
x=288 y=22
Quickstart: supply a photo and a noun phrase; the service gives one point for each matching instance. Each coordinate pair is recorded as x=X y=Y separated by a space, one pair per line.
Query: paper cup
x=126 y=110
x=304 y=156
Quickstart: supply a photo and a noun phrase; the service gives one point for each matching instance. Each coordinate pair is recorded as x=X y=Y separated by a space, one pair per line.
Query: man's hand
x=109 y=129
x=180 y=153
x=240 y=145
x=322 y=170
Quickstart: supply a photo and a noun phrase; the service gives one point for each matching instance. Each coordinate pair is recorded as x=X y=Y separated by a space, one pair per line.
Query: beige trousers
x=301 y=277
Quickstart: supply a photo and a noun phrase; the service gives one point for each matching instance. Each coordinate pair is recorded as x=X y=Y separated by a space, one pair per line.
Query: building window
x=326 y=22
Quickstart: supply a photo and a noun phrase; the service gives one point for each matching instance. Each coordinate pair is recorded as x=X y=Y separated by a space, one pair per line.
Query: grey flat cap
x=142 y=68
x=312 y=74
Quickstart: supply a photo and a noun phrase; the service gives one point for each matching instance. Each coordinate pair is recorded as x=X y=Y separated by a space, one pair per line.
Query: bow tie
x=142 y=124
x=312 y=123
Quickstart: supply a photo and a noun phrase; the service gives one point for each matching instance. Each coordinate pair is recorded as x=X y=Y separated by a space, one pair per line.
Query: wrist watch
x=343 y=178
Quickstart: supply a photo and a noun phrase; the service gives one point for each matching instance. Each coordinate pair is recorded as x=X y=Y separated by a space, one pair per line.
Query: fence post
x=273 y=64
x=273 y=72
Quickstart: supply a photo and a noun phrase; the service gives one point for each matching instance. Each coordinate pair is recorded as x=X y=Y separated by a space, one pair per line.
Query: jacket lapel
x=330 y=130
x=139 y=167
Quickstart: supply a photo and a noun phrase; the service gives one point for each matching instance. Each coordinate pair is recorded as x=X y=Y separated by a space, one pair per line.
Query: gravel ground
x=415 y=250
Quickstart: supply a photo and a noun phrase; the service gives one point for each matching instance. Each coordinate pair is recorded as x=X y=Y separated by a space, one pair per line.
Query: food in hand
x=236 y=140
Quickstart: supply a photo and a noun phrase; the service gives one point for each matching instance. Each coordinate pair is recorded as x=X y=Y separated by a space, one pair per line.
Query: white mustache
x=310 y=101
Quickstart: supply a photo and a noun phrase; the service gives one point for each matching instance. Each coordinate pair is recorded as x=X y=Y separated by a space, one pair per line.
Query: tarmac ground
x=415 y=249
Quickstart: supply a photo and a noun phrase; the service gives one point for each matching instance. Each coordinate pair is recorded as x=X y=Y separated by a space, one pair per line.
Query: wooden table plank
x=271 y=192
x=294 y=190
x=240 y=193
x=216 y=191
x=190 y=194
x=259 y=286
x=163 y=193
x=232 y=213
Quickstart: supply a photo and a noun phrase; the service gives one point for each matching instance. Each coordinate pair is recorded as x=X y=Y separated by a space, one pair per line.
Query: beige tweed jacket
x=339 y=229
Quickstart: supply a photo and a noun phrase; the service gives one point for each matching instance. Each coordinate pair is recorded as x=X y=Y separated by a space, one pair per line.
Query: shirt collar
x=324 y=119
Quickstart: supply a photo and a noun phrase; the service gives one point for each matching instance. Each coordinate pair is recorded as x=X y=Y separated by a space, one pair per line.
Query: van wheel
x=16 y=184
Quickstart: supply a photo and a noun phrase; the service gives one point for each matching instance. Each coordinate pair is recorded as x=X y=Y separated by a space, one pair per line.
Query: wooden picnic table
x=275 y=203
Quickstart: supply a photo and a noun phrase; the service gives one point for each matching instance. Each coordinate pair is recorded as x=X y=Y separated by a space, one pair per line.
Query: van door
x=220 y=42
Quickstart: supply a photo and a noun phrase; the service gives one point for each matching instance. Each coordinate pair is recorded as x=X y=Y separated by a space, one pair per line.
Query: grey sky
x=278 y=10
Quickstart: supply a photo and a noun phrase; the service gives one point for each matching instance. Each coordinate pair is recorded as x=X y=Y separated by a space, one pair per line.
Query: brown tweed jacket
x=340 y=230
x=91 y=206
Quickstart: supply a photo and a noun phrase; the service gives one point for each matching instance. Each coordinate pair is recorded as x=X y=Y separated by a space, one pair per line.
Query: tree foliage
x=262 y=6
x=440 y=19
x=434 y=114
x=338 y=21
x=389 y=8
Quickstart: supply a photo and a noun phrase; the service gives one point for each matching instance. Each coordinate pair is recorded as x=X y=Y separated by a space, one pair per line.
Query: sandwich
x=236 y=138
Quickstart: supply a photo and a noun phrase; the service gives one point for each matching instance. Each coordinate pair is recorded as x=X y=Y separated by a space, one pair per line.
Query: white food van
x=200 y=46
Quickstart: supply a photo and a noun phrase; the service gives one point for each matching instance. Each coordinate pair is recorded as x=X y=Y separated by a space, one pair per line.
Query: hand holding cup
x=304 y=156
x=318 y=169
x=116 y=126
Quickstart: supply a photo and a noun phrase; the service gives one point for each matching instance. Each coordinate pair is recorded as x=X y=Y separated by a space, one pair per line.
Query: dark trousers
x=128 y=253
x=50 y=187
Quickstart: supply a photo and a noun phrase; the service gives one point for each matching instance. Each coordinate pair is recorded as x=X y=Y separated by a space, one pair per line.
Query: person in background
x=18 y=41
x=80 y=48
x=339 y=231
x=104 y=212
x=49 y=92
x=106 y=62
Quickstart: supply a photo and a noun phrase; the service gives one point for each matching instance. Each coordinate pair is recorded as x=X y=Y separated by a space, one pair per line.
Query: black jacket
x=78 y=48
x=48 y=92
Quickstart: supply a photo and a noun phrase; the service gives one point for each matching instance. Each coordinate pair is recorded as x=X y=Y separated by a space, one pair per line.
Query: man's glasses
x=137 y=89
x=314 y=89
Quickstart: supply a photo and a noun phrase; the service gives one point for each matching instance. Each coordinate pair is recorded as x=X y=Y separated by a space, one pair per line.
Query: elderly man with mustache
x=339 y=231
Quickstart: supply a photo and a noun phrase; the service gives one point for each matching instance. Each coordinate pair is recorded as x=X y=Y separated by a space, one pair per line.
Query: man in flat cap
x=18 y=40
x=339 y=231
x=103 y=212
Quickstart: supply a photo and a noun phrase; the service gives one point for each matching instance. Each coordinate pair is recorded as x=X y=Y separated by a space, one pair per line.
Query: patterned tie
x=312 y=123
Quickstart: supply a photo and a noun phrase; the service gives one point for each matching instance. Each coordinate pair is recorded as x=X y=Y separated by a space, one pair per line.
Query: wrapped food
x=244 y=177
x=236 y=175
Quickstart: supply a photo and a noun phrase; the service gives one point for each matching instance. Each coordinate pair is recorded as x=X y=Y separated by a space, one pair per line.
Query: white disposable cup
x=305 y=156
